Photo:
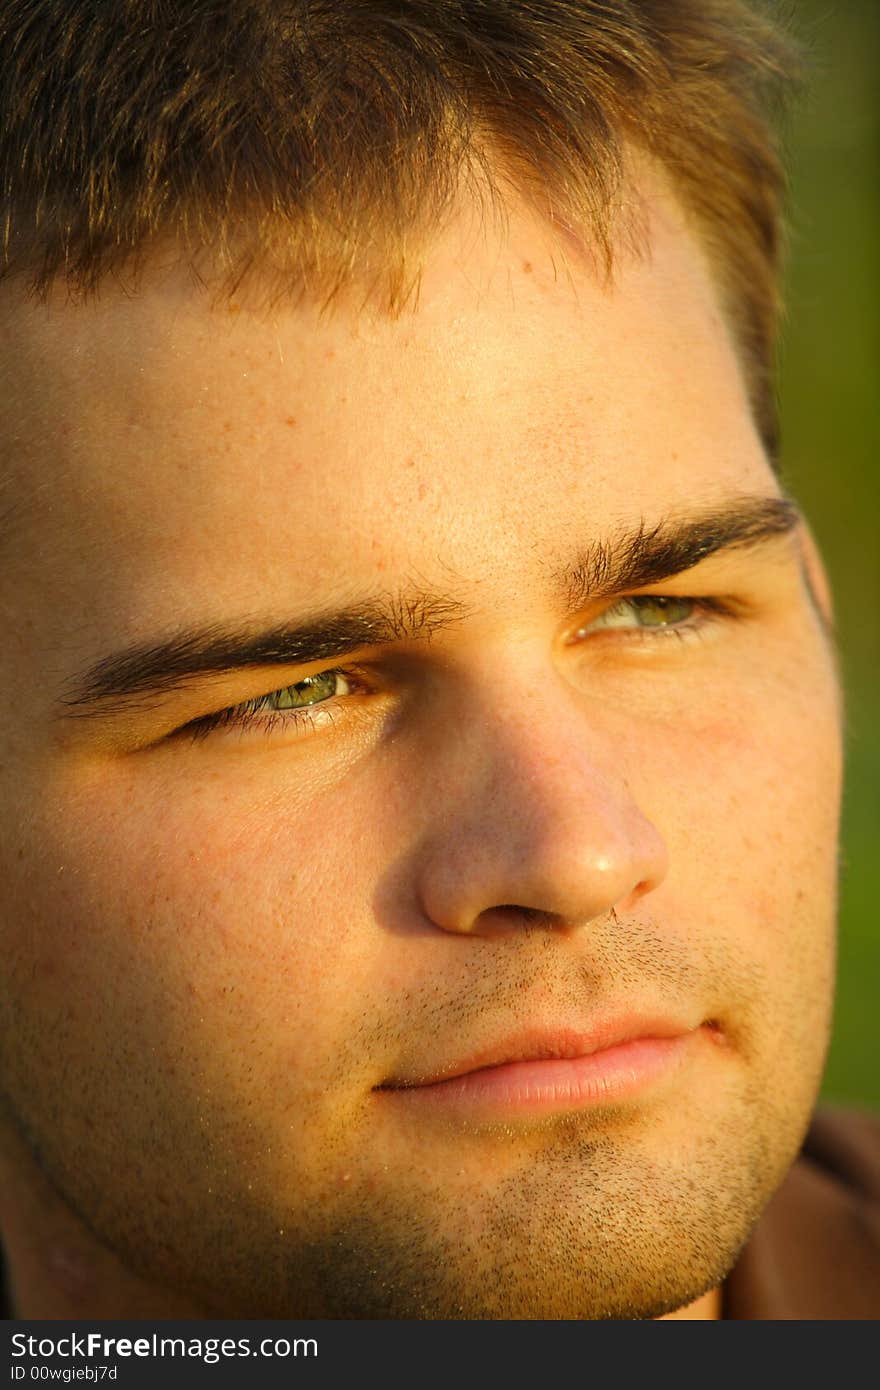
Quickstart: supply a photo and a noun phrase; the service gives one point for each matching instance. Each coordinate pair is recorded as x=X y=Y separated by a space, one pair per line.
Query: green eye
x=291 y=705
x=310 y=691
x=645 y=611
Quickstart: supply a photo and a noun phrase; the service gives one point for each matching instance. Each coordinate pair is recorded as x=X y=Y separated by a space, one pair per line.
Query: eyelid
x=245 y=715
x=706 y=607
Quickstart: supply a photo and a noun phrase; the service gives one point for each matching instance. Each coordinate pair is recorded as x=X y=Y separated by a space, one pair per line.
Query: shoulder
x=815 y=1252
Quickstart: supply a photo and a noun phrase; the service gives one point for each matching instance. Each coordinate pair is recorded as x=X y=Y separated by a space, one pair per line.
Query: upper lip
x=545 y=1044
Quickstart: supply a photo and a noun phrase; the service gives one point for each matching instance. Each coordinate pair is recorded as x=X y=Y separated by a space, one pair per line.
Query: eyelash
x=705 y=612
x=246 y=715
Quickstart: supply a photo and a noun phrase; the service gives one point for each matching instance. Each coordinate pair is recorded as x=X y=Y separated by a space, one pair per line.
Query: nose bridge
x=531 y=728
x=550 y=755
x=564 y=771
x=534 y=810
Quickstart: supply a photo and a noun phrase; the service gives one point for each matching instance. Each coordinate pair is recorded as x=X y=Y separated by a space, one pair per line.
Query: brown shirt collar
x=815 y=1253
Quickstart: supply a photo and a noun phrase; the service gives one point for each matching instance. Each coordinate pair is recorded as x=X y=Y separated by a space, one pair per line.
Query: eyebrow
x=648 y=555
x=628 y=559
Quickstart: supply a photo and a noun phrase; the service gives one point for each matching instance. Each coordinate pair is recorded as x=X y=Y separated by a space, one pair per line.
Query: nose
x=535 y=817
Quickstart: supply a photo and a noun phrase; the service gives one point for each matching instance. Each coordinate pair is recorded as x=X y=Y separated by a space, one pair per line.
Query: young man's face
x=538 y=811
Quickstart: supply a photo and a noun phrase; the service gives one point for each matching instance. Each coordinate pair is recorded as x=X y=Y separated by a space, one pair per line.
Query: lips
x=547 y=1045
x=532 y=1075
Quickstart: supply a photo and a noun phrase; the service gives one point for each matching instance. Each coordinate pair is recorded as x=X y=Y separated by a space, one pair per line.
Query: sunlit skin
x=217 y=949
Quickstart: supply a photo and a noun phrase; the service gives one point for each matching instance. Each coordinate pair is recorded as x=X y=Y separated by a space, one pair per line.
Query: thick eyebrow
x=628 y=560
x=632 y=559
x=158 y=668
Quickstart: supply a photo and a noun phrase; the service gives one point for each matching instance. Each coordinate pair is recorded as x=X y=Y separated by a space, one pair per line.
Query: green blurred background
x=831 y=428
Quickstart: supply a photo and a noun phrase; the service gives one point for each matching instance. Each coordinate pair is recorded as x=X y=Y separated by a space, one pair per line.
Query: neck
x=705 y=1309
x=56 y=1268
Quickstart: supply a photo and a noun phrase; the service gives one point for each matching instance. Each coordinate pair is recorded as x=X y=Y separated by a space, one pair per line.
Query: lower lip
x=555 y=1085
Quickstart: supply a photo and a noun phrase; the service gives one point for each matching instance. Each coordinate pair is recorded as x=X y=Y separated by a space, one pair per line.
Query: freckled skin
x=215 y=952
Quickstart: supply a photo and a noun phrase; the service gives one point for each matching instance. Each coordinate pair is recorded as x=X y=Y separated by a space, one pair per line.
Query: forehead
x=166 y=451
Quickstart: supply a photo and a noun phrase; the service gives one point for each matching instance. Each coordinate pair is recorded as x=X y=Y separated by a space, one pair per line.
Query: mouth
x=552 y=1070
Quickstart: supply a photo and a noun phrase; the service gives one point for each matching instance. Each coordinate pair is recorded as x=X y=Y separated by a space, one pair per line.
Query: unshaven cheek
x=748 y=803
x=199 y=987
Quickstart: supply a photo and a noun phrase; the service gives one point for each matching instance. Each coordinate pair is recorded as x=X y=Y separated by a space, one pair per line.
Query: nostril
x=516 y=915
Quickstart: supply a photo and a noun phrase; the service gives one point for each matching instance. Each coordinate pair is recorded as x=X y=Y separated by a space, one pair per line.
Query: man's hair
x=322 y=141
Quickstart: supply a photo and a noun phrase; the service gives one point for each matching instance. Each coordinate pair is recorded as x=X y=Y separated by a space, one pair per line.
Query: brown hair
x=326 y=138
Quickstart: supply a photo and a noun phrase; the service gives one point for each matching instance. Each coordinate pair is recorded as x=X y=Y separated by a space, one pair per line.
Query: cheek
x=749 y=802
x=188 y=980
x=751 y=793
x=207 y=928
